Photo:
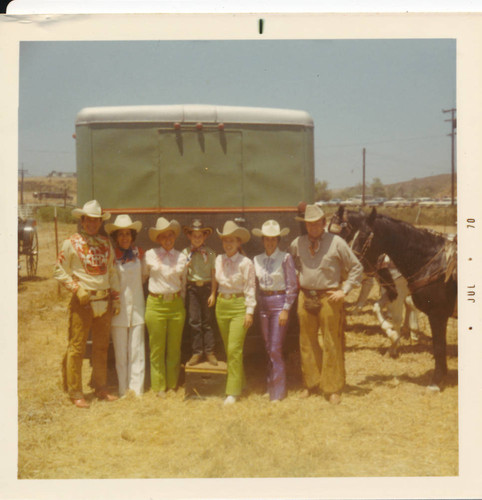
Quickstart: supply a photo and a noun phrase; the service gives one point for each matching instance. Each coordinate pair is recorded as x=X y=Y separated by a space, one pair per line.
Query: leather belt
x=316 y=293
x=165 y=296
x=269 y=293
x=228 y=296
x=198 y=283
x=99 y=294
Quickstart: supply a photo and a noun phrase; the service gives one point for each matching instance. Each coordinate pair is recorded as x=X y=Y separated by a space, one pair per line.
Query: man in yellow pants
x=322 y=260
x=85 y=266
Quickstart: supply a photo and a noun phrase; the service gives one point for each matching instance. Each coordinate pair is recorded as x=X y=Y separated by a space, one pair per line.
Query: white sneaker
x=230 y=400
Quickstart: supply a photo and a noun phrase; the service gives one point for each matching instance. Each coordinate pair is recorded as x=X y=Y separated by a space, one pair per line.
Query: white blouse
x=131 y=294
x=277 y=273
x=236 y=275
x=166 y=270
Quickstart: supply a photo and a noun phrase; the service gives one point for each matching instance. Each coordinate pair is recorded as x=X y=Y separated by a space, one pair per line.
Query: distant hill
x=435 y=186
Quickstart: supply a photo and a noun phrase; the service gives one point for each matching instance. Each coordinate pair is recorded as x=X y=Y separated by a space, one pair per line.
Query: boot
x=195 y=359
x=211 y=359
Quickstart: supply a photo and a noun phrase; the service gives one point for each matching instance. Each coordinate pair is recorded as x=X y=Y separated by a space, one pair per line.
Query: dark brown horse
x=427 y=261
x=346 y=223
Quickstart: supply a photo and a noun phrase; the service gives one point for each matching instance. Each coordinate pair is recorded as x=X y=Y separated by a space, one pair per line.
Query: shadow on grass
x=23 y=279
x=364 y=329
x=424 y=380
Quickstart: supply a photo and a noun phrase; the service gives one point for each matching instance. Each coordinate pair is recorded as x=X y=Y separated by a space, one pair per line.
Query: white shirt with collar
x=275 y=273
x=236 y=275
x=166 y=270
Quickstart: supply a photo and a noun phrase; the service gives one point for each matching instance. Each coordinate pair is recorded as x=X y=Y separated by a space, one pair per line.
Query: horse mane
x=419 y=240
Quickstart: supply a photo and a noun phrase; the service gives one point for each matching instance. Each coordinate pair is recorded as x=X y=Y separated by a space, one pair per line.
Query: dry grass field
x=387 y=425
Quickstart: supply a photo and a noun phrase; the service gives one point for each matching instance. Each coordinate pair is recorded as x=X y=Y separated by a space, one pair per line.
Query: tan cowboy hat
x=313 y=213
x=230 y=228
x=271 y=229
x=123 y=221
x=197 y=225
x=163 y=225
x=90 y=209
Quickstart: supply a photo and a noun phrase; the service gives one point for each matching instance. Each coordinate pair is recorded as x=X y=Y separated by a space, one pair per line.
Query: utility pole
x=22 y=172
x=453 y=121
x=363 y=189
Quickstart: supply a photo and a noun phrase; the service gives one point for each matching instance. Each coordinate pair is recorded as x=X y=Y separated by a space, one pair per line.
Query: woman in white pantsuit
x=127 y=328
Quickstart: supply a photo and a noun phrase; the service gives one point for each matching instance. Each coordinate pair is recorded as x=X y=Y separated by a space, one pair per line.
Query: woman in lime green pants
x=235 y=303
x=165 y=312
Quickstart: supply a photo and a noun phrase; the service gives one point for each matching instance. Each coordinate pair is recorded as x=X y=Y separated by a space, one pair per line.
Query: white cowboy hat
x=90 y=209
x=271 y=229
x=163 y=225
x=123 y=221
x=230 y=228
x=313 y=213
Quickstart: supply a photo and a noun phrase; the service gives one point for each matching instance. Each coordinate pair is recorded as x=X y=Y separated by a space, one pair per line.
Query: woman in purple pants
x=278 y=288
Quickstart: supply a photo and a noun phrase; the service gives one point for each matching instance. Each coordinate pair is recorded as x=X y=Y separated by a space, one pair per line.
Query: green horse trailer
x=184 y=161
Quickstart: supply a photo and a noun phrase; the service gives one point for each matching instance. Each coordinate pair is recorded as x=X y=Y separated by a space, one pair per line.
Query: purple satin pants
x=270 y=308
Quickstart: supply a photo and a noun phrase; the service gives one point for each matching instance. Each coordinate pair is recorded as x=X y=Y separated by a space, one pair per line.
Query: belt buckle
x=228 y=296
x=314 y=293
x=199 y=283
x=168 y=297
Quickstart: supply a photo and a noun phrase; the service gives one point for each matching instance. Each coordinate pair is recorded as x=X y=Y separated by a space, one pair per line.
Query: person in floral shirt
x=86 y=267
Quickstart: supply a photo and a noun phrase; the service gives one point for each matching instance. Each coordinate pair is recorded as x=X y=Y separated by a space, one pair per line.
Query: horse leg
x=366 y=286
x=387 y=326
x=438 y=325
x=411 y=319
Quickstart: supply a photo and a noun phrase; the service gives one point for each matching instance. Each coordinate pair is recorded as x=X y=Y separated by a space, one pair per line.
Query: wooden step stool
x=205 y=379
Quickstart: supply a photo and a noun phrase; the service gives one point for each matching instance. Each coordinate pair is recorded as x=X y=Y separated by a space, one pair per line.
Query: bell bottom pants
x=200 y=318
x=81 y=321
x=230 y=314
x=274 y=335
x=322 y=367
x=129 y=357
x=165 y=322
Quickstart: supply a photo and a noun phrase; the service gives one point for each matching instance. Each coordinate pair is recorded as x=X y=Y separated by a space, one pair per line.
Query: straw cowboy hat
x=123 y=221
x=313 y=213
x=197 y=225
x=163 y=225
x=230 y=228
x=90 y=209
x=271 y=229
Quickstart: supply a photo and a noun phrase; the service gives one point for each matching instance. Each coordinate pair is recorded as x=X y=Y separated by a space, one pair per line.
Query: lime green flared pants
x=165 y=322
x=230 y=315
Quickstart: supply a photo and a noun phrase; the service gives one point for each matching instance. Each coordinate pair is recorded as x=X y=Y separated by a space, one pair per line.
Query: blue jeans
x=200 y=318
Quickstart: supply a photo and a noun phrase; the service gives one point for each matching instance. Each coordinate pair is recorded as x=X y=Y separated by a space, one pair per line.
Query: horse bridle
x=344 y=224
x=365 y=247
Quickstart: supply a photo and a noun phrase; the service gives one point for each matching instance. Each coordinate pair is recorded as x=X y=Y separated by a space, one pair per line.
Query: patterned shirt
x=88 y=261
x=277 y=272
x=236 y=275
x=166 y=271
x=326 y=268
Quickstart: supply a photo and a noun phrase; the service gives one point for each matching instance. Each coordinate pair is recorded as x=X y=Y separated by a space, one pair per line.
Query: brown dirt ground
x=387 y=425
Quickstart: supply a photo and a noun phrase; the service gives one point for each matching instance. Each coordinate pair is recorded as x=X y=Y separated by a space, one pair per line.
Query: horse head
x=345 y=222
x=364 y=244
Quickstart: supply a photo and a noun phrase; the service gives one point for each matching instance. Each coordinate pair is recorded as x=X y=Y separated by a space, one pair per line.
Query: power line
x=453 y=121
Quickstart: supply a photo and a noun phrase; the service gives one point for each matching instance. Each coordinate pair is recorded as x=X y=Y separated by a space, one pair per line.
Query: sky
x=383 y=95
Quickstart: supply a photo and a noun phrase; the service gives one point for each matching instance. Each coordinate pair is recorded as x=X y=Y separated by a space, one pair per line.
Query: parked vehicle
x=398 y=201
x=218 y=162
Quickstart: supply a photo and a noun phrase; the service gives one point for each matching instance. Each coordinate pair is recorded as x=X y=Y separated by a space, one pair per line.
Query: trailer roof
x=192 y=113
